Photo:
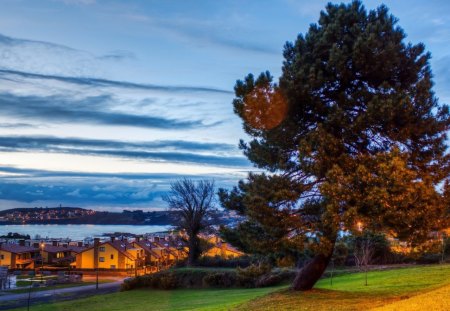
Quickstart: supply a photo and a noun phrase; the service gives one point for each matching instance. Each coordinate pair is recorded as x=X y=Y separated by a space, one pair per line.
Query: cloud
x=17 y=125
x=45 y=57
x=95 y=82
x=169 y=151
x=87 y=110
x=219 y=32
x=119 y=55
x=39 y=187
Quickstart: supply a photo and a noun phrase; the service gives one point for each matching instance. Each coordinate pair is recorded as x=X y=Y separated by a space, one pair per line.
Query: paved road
x=10 y=301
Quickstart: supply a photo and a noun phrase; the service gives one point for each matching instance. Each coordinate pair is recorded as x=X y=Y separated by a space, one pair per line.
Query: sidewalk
x=9 y=301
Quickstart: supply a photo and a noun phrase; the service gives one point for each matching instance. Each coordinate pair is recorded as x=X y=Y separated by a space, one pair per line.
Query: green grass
x=347 y=293
x=152 y=300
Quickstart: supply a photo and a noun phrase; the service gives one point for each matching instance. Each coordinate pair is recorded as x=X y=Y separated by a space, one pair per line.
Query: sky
x=104 y=103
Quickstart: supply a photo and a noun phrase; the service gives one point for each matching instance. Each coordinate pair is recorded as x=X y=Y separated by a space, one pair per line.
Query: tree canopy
x=351 y=133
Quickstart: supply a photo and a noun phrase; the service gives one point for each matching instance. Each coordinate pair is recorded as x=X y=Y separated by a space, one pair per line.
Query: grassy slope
x=349 y=293
x=142 y=300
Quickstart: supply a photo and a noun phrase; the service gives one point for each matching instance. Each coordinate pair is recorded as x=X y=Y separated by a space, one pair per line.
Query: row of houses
x=146 y=255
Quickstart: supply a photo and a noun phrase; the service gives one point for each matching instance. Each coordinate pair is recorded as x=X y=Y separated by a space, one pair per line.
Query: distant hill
x=77 y=215
x=34 y=209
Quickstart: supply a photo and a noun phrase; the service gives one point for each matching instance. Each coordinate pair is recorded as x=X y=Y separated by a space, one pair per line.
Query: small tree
x=364 y=251
x=194 y=210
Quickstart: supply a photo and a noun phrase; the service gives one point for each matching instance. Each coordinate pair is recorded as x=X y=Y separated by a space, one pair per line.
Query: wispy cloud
x=32 y=187
x=61 y=109
x=95 y=82
x=170 y=151
x=118 y=55
x=17 y=125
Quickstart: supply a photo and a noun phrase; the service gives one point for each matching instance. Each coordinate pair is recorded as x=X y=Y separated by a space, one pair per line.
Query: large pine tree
x=352 y=134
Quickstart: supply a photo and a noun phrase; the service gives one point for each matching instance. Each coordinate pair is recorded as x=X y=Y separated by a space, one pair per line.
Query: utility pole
x=96 y=244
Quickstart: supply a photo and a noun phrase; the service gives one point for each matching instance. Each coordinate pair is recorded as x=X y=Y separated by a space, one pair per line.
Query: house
x=221 y=248
x=61 y=255
x=154 y=260
x=16 y=256
x=168 y=253
x=113 y=254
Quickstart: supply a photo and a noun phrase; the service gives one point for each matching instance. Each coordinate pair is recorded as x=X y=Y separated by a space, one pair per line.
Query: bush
x=219 y=279
x=253 y=276
x=429 y=259
x=168 y=281
x=219 y=262
x=247 y=277
x=268 y=280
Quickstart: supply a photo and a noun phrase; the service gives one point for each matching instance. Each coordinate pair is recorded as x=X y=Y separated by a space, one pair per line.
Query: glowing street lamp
x=359 y=225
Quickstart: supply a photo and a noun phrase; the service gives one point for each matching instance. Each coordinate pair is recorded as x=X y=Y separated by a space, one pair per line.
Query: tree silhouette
x=194 y=210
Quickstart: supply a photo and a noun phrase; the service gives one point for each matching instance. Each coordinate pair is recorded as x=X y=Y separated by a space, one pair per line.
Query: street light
x=359 y=225
x=42 y=262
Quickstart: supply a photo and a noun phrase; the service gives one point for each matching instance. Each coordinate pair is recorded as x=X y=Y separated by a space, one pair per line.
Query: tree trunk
x=311 y=273
x=193 y=244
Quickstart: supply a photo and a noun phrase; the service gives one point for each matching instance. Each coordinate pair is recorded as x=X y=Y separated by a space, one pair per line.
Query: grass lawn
x=347 y=293
x=158 y=300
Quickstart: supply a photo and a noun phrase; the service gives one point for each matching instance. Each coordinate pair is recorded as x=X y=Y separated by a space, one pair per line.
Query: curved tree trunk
x=311 y=272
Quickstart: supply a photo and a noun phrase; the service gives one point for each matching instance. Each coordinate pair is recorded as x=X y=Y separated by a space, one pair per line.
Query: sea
x=77 y=232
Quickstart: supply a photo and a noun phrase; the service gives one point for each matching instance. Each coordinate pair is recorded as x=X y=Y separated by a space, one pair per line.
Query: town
x=116 y=255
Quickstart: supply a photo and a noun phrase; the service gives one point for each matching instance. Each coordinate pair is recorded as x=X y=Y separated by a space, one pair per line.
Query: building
x=154 y=260
x=220 y=248
x=60 y=255
x=16 y=256
x=113 y=254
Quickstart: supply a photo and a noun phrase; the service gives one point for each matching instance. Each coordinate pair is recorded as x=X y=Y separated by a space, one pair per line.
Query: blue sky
x=104 y=103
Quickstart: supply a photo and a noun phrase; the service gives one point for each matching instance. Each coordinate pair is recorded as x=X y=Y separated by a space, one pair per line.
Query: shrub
x=268 y=280
x=253 y=276
x=429 y=258
x=219 y=279
x=167 y=281
x=248 y=277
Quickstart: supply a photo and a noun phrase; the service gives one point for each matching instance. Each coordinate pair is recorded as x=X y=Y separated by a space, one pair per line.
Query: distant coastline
x=80 y=216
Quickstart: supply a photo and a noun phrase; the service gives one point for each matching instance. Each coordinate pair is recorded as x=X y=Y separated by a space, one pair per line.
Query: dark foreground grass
x=347 y=293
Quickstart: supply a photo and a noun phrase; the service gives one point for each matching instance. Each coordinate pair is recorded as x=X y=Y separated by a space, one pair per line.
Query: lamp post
x=42 y=262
